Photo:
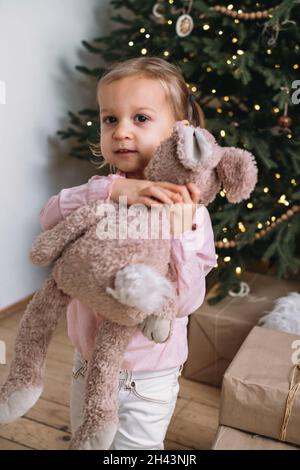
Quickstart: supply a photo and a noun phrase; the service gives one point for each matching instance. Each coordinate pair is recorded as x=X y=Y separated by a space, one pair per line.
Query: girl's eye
x=108 y=117
x=140 y=115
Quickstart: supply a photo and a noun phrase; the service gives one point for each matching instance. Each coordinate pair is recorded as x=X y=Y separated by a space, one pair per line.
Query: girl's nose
x=122 y=130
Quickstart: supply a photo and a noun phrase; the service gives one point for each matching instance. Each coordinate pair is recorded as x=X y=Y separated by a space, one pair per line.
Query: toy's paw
x=18 y=403
x=102 y=440
x=156 y=329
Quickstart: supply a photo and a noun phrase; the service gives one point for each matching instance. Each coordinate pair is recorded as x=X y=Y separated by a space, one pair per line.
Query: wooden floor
x=46 y=425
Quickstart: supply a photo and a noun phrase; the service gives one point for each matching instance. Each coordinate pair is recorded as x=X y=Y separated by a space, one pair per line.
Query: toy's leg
x=24 y=386
x=100 y=419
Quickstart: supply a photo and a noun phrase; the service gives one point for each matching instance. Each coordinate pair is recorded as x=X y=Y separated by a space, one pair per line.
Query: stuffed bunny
x=129 y=281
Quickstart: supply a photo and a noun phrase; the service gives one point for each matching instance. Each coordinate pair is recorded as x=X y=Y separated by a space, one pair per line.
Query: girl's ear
x=237 y=172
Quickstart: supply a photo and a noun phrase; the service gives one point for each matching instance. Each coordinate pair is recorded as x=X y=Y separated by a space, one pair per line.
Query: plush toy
x=129 y=281
x=285 y=316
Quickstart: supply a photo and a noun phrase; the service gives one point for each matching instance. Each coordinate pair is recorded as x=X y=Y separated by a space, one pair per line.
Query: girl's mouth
x=125 y=152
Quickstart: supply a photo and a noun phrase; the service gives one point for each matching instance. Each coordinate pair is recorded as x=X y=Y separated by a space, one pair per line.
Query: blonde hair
x=182 y=102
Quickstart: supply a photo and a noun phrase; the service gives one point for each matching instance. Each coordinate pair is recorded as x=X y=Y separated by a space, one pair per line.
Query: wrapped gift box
x=216 y=332
x=233 y=439
x=261 y=388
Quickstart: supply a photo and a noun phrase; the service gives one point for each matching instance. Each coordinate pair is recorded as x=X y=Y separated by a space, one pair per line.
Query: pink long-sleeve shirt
x=193 y=255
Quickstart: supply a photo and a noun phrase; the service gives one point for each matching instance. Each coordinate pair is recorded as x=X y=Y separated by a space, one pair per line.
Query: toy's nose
x=185 y=122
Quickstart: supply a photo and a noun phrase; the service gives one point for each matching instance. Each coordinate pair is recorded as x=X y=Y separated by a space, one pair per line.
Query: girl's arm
x=67 y=200
x=193 y=256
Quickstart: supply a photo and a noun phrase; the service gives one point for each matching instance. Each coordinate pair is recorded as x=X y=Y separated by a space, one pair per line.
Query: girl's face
x=134 y=115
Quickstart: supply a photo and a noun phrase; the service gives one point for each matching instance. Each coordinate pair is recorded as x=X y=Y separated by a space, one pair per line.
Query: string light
x=238 y=270
x=226 y=98
x=219 y=110
x=144 y=51
x=223 y=133
x=240 y=52
x=166 y=53
x=194 y=89
x=277 y=176
x=206 y=27
x=208 y=69
x=227 y=259
x=130 y=43
x=282 y=200
x=266 y=190
x=250 y=205
x=284 y=217
x=276 y=110
x=234 y=40
x=213 y=90
x=220 y=33
x=295 y=66
x=142 y=30
x=170 y=22
x=147 y=35
x=257 y=107
x=89 y=123
x=269 y=51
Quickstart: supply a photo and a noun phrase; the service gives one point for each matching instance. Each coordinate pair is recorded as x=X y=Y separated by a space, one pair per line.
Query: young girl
x=139 y=101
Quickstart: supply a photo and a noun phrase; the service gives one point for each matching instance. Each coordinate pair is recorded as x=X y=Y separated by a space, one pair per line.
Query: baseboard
x=16 y=307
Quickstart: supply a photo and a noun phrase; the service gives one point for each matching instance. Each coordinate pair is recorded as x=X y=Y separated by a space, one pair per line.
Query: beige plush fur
x=89 y=268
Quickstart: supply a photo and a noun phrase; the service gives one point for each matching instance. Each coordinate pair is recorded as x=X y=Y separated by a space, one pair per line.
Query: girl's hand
x=146 y=192
x=181 y=214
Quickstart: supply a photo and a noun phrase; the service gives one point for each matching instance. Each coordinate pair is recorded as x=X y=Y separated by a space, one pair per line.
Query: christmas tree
x=242 y=63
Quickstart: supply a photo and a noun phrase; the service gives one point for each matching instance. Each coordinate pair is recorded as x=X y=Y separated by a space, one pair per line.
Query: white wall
x=40 y=44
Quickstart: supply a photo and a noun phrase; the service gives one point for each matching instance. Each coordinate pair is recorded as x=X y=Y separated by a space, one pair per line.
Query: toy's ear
x=195 y=146
x=237 y=172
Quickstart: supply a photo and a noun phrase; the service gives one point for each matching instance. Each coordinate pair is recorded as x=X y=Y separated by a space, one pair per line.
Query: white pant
x=146 y=404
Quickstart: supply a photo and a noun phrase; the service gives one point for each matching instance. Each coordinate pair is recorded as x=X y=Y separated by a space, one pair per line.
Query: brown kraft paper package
x=215 y=333
x=261 y=388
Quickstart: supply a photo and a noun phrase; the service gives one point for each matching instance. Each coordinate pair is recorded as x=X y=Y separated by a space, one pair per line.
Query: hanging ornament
x=284 y=121
x=158 y=16
x=271 y=31
x=185 y=23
